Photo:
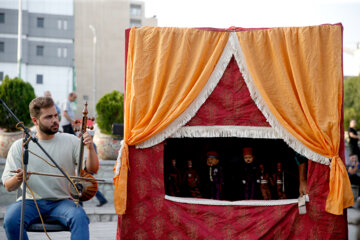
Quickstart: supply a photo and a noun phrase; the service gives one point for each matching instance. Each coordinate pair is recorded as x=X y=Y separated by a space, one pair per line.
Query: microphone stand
x=26 y=160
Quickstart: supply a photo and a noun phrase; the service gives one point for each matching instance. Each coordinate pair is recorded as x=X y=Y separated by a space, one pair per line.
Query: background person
x=354 y=138
x=58 y=110
x=68 y=115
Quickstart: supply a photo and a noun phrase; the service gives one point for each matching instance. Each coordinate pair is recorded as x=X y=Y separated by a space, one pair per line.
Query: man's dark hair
x=37 y=104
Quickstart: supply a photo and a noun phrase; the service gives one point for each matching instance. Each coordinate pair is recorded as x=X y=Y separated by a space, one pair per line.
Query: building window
x=39 y=50
x=2 y=46
x=59 y=52
x=2 y=17
x=135 y=10
x=39 y=79
x=1 y=76
x=64 y=52
x=59 y=24
x=135 y=23
x=40 y=22
x=65 y=24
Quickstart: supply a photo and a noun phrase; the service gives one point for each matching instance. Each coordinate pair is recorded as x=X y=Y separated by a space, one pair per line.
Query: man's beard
x=48 y=130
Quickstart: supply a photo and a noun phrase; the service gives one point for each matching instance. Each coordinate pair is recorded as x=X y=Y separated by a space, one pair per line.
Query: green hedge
x=17 y=95
x=110 y=109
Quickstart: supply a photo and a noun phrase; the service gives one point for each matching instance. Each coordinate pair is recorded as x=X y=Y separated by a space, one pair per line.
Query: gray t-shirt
x=64 y=148
x=66 y=106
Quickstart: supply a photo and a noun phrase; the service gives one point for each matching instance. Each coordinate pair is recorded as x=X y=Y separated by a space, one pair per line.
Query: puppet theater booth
x=185 y=87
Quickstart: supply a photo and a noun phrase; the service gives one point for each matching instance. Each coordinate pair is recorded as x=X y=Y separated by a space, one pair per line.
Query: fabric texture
x=150 y=216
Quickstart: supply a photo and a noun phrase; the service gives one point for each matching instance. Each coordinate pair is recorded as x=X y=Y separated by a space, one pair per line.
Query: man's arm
x=353 y=169
x=92 y=161
x=352 y=135
x=302 y=179
x=66 y=115
x=14 y=182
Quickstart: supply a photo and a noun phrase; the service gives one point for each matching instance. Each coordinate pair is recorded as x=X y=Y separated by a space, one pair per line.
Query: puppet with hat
x=215 y=175
x=250 y=175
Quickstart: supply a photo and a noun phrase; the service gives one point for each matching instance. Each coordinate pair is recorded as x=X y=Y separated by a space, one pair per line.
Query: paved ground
x=353 y=219
x=107 y=230
x=98 y=231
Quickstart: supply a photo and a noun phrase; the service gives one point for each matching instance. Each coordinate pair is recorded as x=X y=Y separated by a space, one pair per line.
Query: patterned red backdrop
x=150 y=216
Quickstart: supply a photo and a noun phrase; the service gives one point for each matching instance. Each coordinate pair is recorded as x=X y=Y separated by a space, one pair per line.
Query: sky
x=263 y=13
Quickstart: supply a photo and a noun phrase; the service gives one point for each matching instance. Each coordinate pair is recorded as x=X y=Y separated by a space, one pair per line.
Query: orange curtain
x=304 y=64
x=166 y=70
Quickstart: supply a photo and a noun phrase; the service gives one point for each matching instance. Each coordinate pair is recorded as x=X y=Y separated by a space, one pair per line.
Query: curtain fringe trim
x=190 y=112
x=118 y=160
x=232 y=203
x=225 y=131
x=260 y=103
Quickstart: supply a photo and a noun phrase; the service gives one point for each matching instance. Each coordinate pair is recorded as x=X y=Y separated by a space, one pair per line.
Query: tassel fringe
x=225 y=131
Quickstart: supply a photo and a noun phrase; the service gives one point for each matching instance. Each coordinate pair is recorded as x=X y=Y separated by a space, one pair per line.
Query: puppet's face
x=173 y=162
x=189 y=164
x=212 y=161
x=248 y=159
x=215 y=161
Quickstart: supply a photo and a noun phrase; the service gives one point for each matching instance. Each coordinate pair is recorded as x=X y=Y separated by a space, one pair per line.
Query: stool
x=50 y=226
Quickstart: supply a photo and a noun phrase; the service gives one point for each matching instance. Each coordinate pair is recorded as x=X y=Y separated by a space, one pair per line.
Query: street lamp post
x=93 y=30
x=19 y=38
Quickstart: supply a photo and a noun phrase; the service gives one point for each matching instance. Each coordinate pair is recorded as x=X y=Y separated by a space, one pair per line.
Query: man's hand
x=15 y=181
x=87 y=140
x=19 y=175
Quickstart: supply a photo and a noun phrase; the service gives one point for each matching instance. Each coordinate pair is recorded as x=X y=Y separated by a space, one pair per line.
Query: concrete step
x=105 y=213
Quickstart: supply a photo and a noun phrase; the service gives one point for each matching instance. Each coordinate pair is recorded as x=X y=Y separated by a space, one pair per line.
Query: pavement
x=353 y=222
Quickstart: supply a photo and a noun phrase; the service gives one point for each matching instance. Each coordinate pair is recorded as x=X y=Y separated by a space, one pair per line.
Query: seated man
x=51 y=193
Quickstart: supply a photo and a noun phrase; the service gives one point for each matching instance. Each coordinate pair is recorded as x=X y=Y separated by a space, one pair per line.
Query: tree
x=110 y=109
x=17 y=95
x=351 y=100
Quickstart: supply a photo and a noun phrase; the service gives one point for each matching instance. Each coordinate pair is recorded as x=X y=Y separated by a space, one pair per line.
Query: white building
x=47 y=44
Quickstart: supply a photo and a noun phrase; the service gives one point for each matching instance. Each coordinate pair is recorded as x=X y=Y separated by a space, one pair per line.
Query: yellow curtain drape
x=166 y=70
x=304 y=64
